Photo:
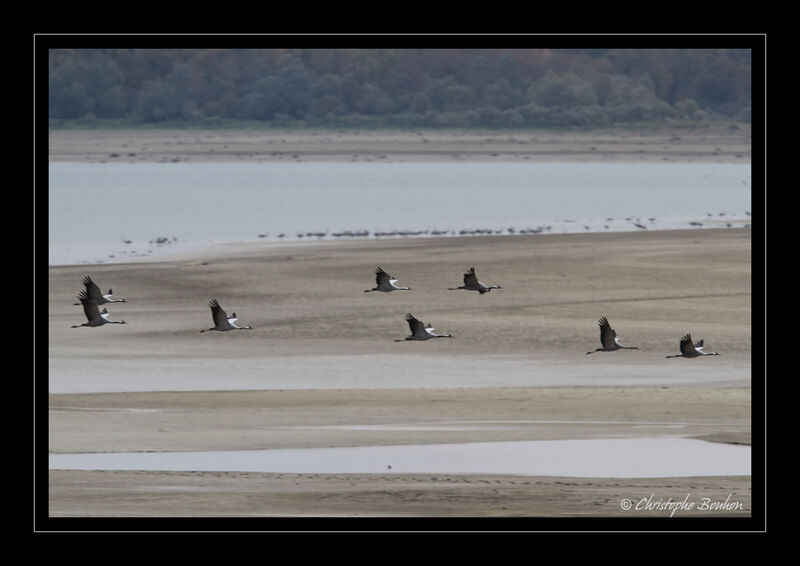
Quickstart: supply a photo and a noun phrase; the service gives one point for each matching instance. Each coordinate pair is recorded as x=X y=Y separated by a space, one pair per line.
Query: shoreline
x=176 y=250
x=719 y=143
x=715 y=143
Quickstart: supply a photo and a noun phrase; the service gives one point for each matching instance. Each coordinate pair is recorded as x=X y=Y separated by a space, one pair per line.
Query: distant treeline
x=462 y=88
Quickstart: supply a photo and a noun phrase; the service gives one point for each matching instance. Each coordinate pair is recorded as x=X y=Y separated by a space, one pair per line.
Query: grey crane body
x=471 y=283
x=94 y=316
x=609 y=339
x=385 y=283
x=223 y=322
x=421 y=331
x=93 y=294
x=692 y=350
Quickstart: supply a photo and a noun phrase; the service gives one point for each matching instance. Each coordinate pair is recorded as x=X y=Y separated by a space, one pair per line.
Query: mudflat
x=321 y=368
x=709 y=141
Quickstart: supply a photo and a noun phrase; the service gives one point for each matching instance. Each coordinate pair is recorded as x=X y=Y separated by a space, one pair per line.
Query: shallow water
x=73 y=375
x=622 y=458
x=119 y=211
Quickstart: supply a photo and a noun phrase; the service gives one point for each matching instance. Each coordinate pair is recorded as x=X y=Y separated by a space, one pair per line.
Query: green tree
x=457 y=97
x=84 y=85
x=502 y=95
x=295 y=86
x=535 y=87
x=67 y=93
x=374 y=101
x=420 y=103
x=161 y=101
x=562 y=91
x=264 y=100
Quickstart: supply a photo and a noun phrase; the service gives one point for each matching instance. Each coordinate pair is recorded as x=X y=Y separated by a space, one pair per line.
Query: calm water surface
x=623 y=458
x=99 y=209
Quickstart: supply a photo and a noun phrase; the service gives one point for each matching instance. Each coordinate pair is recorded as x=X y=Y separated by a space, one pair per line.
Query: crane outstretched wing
x=217 y=313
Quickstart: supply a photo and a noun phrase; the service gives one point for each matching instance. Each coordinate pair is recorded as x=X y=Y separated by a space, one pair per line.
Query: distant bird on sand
x=94 y=295
x=222 y=321
x=385 y=283
x=608 y=338
x=471 y=283
x=94 y=317
x=689 y=350
x=420 y=331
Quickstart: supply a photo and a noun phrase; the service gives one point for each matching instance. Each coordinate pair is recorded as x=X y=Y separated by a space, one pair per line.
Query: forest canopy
x=498 y=88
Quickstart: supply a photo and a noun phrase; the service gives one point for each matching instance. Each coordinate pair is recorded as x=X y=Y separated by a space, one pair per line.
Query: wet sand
x=321 y=368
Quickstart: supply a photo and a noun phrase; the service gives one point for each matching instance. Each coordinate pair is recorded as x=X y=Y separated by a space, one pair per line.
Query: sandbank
x=321 y=368
x=711 y=141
